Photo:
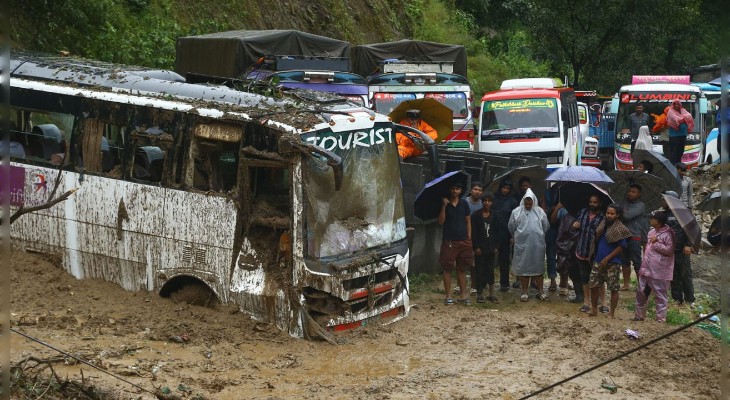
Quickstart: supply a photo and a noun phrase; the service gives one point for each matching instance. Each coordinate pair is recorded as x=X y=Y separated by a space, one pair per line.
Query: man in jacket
x=406 y=148
x=634 y=217
x=682 y=286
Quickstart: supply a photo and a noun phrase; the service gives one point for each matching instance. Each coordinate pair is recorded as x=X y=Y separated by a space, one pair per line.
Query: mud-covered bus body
x=655 y=97
x=236 y=196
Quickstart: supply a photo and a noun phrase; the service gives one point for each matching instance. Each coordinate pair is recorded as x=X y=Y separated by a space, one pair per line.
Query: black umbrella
x=686 y=220
x=651 y=187
x=428 y=202
x=575 y=195
x=536 y=173
x=661 y=167
x=712 y=202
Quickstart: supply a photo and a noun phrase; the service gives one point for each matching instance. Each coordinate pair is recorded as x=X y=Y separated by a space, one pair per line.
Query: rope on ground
x=647 y=344
x=82 y=361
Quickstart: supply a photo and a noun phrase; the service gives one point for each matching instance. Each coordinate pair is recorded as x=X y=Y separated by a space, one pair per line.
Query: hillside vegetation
x=595 y=44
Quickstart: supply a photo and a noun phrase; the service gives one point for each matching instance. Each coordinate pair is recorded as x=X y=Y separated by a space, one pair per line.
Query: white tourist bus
x=182 y=185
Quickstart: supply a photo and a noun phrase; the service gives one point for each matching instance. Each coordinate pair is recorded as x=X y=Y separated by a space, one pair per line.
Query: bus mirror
x=703 y=105
x=288 y=144
x=614 y=105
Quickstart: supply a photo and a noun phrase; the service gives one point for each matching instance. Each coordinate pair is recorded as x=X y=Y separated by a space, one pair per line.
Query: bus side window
x=148 y=163
x=215 y=165
x=99 y=149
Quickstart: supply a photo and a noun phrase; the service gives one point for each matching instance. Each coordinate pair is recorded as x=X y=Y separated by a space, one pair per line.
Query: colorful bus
x=388 y=90
x=655 y=95
x=532 y=116
x=291 y=210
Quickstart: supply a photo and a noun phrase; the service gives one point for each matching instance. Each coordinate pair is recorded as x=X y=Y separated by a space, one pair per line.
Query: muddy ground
x=502 y=351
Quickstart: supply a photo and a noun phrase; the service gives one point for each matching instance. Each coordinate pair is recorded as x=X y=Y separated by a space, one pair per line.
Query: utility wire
x=81 y=361
x=666 y=335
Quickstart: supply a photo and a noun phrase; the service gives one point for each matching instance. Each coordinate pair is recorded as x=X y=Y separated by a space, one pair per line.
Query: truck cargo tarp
x=230 y=54
x=366 y=58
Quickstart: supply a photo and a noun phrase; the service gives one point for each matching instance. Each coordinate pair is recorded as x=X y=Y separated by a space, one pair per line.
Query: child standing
x=686 y=195
x=484 y=249
x=657 y=268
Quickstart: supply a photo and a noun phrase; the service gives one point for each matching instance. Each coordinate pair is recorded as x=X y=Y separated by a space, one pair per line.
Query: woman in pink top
x=657 y=268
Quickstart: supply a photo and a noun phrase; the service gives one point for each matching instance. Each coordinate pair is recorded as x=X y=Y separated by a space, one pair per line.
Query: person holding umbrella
x=406 y=148
x=586 y=223
x=682 y=285
x=456 y=248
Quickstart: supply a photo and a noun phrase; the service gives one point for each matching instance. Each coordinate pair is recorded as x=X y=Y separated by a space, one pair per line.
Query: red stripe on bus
x=519 y=140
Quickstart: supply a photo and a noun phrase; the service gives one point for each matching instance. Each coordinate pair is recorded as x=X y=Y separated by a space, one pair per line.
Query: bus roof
x=120 y=83
x=523 y=94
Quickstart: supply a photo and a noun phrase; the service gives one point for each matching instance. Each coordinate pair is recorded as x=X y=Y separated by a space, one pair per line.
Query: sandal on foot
x=563 y=291
x=604 y=309
x=542 y=297
x=493 y=299
x=480 y=299
x=465 y=302
x=637 y=319
x=553 y=287
x=585 y=308
x=449 y=301
x=524 y=297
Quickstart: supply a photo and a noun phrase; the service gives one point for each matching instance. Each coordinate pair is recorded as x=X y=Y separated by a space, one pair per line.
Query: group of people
x=594 y=249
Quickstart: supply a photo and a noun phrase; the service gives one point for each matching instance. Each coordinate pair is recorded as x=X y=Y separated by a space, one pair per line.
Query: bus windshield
x=455 y=101
x=654 y=109
x=520 y=117
x=385 y=103
x=364 y=213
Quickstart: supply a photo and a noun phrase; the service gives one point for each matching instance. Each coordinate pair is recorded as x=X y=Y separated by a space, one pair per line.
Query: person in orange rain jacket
x=406 y=147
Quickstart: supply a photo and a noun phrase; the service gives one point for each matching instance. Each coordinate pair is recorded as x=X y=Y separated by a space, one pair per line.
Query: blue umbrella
x=427 y=204
x=579 y=173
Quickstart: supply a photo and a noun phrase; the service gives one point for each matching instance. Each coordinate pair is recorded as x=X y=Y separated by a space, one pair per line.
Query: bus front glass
x=385 y=103
x=367 y=211
x=514 y=119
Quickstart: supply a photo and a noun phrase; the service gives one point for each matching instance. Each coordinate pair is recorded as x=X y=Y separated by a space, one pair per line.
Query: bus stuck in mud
x=293 y=211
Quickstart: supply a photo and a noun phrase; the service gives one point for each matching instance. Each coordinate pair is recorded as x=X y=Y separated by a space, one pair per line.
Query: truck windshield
x=520 y=118
x=385 y=103
x=455 y=101
x=367 y=211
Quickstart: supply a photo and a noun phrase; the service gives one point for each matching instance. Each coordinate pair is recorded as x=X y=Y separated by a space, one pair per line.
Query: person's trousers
x=484 y=268
x=660 y=288
x=676 y=148
x=682 y=287
x=551 y=249
x=503 y=259
x=574 y=274
x=634 y=250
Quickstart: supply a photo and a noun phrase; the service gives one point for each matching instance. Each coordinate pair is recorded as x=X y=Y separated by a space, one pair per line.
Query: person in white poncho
x=528 y=225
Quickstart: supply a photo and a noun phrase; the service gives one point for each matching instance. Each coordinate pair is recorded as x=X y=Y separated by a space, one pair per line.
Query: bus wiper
x=540 y=133
x=288 y=144
x=491 y=131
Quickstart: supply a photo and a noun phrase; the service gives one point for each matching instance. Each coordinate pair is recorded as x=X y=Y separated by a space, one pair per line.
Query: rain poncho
x=676 y=118
x=644 y=141
x=528 y=228
x=406 y=148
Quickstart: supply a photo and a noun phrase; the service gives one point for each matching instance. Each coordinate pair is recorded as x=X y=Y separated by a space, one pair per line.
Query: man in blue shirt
x=610 y=241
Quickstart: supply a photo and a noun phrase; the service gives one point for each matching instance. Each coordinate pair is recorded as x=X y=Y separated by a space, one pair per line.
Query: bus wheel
x=189 y=290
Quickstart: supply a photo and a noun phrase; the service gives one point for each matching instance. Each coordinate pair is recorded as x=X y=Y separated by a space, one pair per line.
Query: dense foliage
x=597 y=44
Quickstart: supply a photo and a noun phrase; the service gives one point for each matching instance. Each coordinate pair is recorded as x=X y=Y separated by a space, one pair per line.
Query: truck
x=286 y=58
x=411 y=69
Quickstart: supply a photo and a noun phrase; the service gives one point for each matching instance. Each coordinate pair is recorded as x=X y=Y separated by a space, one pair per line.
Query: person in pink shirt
x=657 y=268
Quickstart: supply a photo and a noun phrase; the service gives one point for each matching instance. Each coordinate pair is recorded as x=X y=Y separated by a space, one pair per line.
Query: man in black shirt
x=484 y=251
x=504 y=203
x=456 y=248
